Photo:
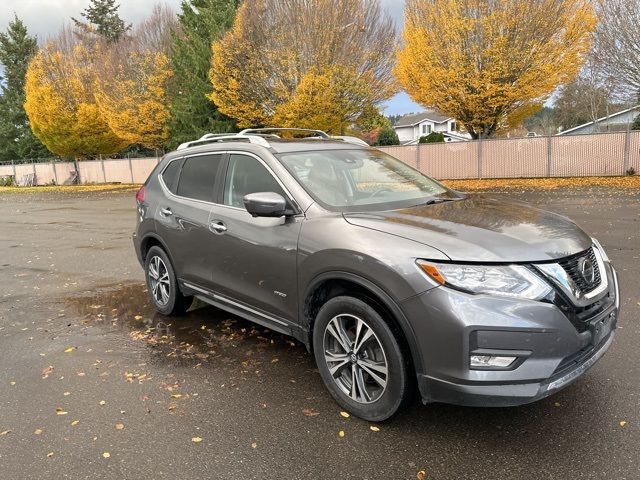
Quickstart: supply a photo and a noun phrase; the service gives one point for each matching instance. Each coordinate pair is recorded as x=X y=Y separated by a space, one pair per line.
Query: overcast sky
x=44 y=17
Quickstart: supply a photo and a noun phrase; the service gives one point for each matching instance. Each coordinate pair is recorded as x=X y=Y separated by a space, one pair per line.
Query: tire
x=165 y=295
x=373 y=399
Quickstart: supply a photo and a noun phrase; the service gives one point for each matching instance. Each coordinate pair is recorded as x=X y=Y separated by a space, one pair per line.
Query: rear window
x=198 y=177
x=170 y=175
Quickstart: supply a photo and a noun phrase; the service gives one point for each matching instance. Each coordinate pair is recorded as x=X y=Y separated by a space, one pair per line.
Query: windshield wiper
x=433 y=201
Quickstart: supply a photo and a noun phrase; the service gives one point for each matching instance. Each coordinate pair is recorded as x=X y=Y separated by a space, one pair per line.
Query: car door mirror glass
x=266 y=204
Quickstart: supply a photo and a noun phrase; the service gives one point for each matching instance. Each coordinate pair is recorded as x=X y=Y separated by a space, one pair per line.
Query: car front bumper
x=450 y=326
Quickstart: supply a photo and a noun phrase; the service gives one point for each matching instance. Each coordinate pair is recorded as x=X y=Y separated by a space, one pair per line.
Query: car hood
x=481 y=229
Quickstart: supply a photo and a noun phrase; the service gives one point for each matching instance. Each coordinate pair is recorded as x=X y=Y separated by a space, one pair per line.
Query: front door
x=255 y=258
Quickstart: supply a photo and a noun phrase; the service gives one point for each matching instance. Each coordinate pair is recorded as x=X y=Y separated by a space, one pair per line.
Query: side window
x=247 y=175
x=170 y=175
x=198 y=177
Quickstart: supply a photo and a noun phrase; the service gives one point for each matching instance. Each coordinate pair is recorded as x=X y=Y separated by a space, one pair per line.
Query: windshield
x=361 y=179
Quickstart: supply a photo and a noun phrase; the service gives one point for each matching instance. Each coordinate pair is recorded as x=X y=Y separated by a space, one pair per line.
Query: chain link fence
x=600 y=154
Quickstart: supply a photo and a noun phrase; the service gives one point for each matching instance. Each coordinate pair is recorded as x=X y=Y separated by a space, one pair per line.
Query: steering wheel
x=380 y=190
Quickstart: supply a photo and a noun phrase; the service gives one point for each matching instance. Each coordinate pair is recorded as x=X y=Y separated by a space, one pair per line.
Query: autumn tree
x=60 y=101
x=131 y=82
x=101 y=18
x=17 y=48
x=309 y=63
x=617 y=44
x=201 y=22
x=489 y=63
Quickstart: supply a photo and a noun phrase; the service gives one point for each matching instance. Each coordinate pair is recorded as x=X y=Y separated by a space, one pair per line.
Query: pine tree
x=102 y=19
x=192 y=113
x=17 y=140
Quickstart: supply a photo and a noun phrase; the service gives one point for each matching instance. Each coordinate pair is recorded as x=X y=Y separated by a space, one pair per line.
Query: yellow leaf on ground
x=119 y=426
x=69 y=350
x=421 y=475
x=373 y=428
x=102 y=402
x=622 y=423
x=310 y=412
x=341 y=433
x=38 y=431
x=196 y=439
x=60 y=411
x=176 y=395
x=50 y=454
x=6 y=432
x=138 y=317
x=106 y=454
x=12 y=383
x=344 y=414
x=254 y=445
x=66 y=394
x=75 y=422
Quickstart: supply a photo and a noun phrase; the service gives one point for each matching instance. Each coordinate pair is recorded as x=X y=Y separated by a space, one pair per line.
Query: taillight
x=140 y=195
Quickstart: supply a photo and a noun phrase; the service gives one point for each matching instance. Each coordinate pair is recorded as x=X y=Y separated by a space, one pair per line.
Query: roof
x=415 y=118
x=606 y=117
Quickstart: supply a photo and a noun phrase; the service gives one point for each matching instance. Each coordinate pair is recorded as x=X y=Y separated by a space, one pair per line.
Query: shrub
x=433 y=137
x=636 y=123
x=387 y=136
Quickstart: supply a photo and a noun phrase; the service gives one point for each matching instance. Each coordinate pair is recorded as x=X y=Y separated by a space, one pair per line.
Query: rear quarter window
x=170 y=175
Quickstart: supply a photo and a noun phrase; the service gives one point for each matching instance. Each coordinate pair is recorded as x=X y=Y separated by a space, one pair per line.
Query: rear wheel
x=162 y=284
x=359 y=359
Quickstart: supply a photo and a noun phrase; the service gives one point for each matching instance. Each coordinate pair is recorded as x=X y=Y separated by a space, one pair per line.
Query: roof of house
x=606 y=117
x=415 y=118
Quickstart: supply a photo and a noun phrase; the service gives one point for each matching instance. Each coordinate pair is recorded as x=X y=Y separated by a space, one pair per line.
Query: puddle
x=204 y=334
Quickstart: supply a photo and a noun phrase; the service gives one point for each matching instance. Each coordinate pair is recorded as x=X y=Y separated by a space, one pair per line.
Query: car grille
x=572 y=265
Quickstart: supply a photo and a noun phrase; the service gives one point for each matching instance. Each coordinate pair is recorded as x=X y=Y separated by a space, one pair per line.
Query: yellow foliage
x=61 y=106
x=304 y=63
x=131 y=96
x=489 y=63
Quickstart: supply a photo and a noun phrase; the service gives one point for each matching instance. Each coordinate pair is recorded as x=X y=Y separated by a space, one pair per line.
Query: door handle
x=218 y=226
x=166 y=212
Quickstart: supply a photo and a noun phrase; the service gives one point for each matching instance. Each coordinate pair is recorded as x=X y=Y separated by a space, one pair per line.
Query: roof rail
x=225 y=137
x=249 y=131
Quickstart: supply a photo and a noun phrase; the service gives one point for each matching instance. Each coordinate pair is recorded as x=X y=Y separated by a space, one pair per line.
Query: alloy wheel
x=355 y=358
x=159 y=281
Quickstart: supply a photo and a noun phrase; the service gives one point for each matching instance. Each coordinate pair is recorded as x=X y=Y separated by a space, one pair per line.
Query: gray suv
x=391 y=279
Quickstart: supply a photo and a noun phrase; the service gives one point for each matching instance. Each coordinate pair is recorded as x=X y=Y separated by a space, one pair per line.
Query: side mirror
x=265 y=204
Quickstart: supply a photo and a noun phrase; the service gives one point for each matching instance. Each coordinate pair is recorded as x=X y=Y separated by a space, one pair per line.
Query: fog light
x=489 y=361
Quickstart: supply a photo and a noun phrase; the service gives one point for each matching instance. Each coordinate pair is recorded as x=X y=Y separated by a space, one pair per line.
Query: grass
x=494 y=184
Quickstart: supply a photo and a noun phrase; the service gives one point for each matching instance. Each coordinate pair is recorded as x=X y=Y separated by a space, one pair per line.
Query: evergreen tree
x=17 y=140
x=102 y=19
x=192 y=113
x=388 y=136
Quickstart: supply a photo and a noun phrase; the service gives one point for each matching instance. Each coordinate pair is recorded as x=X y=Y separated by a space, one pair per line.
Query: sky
x=44 y=18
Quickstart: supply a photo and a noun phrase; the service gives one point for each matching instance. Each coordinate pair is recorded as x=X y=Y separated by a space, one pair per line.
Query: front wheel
x=163 y=284
x=360 y=359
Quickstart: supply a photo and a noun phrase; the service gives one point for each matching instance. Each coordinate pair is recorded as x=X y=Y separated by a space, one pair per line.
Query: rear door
x=182 y=219
x=255 y=260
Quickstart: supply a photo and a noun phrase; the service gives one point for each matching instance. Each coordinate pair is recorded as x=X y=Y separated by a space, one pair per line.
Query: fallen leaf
x=275 y=360
x=310 y=412
x=557 y=404
x=69 y=350
x=75 y=422
x=344 y=414
x=47 y=371
x=341 y=433
x=176 y=395
x=60 y=411
x=421 y=475
x=254 y=445
x=50 y=454
x=38 y=431
x=119 y=426
x=106 y=455
x=66 y=394
x=373 y=428
x=622 y=423
x=6 y=432
x=196 y=439
x=138 y=317
x=102 y=402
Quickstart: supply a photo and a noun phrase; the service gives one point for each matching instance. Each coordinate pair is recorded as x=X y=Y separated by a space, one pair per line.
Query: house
x=615 y=122
x=413 y=126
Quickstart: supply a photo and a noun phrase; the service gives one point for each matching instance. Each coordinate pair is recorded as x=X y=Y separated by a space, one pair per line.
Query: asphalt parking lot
x=93 y=384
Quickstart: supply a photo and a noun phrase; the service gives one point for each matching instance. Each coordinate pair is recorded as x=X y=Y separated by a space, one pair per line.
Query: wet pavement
x=95 y=384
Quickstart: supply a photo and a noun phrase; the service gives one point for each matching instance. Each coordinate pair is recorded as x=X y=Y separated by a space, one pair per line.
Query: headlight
x=605 y=257
x=504 y=280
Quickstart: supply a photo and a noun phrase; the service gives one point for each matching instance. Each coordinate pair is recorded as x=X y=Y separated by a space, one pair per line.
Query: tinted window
x=247 y=175
x=198 y=177
x=170 y=175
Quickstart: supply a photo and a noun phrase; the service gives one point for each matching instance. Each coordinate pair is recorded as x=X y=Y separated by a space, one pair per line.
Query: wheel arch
x=332 y=284
x=151 y=240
